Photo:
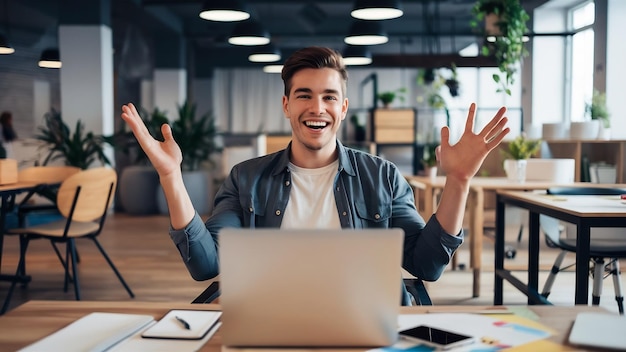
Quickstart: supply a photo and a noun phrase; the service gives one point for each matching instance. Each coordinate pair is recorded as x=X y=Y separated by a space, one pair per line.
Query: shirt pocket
x=251 y=207
x=374 y=215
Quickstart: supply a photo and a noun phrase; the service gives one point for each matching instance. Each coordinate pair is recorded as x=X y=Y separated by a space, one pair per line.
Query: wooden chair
x=84 y=200
x=35 y=211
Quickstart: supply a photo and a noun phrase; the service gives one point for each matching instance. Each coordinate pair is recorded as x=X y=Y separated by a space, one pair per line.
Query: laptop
x=310 y=288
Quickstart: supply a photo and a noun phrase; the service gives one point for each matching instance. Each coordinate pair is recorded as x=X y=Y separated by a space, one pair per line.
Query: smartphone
x=438 y=338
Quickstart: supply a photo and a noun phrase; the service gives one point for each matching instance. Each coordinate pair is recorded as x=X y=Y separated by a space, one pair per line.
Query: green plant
x=522 y=147
x=597 y=109
x=195 y=136
x=78 y=149
x=429 y=157
x=388 y=97
x=507 y=48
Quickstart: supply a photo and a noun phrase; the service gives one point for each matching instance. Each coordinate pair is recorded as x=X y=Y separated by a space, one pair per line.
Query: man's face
x=315 y=107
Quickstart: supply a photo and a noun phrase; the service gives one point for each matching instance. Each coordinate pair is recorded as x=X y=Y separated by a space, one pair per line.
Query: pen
x=184 y=322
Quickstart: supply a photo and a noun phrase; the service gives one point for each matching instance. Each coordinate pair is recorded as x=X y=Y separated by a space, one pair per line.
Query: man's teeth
x=316 y=124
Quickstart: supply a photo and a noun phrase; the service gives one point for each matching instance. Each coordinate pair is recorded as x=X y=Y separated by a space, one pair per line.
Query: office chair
x=605 y=243
x=84 y=200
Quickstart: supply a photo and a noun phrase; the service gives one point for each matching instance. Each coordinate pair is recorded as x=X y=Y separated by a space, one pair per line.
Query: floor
x=141 y=249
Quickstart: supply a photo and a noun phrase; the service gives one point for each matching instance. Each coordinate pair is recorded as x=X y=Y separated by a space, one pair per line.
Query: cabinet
x=584 y=152
x=393 y=133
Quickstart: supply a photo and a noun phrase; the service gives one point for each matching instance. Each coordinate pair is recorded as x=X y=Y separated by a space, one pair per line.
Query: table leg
x=499 y=254
x=475 y=207
x=533 y=253
x=582 y=263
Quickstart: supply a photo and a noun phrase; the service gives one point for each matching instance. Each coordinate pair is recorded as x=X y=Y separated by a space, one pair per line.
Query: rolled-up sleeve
x=198 y=249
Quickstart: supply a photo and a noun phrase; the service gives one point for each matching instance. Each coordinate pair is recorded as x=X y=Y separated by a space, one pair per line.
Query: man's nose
x=317 y=106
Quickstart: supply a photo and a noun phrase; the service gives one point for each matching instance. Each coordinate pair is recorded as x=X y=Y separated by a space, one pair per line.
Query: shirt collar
x=342 y=152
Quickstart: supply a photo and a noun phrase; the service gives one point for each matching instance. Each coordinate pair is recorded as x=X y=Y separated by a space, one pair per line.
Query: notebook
x=310 y=288
x=599 y=330
x=95 y=332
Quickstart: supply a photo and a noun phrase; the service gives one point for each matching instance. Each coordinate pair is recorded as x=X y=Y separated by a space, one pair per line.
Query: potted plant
x=505 y=39
x=453 y=82
x=597 y=110
x=388 y=97
x=518 y=152
x=197 y=138
x=429 y=159
x=78 y=149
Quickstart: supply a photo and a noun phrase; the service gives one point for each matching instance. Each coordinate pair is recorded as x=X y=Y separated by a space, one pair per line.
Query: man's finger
x=471 y=114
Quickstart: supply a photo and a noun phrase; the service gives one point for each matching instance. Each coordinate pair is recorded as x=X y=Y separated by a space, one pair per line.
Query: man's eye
x=331 y=98
x=303 y=96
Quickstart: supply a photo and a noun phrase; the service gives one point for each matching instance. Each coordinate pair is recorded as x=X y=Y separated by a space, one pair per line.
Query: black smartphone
x=438 y=338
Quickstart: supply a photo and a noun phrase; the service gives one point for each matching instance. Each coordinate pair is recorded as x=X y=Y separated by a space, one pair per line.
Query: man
x=317 y=182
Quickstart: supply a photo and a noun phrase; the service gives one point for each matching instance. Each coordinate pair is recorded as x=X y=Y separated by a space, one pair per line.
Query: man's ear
x=286 y=106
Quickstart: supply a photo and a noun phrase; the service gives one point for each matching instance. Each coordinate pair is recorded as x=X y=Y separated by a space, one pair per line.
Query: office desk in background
x=7 y=199
x=432 y=188
x=479 y=186
x=585 y=211
x=35 y=320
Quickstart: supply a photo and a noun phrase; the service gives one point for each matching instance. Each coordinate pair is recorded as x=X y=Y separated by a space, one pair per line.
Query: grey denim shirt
x=369 y=192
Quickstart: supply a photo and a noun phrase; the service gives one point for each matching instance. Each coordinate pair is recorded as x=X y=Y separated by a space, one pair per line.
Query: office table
x=475 y=207
x=8 y=193
x=585 y=211
x=37 y=319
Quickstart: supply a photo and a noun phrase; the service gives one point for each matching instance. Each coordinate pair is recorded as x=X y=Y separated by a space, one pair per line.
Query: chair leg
x=556 y=267
x=617 y=284
x=598 y=276
x=21 y=265
x=117 y=273
x=71 y=243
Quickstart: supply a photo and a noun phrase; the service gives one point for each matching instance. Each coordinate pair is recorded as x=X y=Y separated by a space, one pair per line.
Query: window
x=581 y=58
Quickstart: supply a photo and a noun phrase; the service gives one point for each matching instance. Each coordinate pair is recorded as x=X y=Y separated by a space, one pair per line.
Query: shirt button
x=344 y=213
x=277 y=212
x=287 y=183
x=251 y=210
x=377 y=216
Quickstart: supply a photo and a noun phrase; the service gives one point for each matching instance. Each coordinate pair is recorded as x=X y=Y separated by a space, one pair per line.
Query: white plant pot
x=584 y=130
x=554 y=131
x=515 y=169
x=604 y=133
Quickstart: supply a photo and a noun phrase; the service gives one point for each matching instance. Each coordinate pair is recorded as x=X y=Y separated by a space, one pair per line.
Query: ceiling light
x=249 y=32
x=366 y=33
x=50 y=58
x=266 y=53
x=377 y=9
x=224 y=11
x=5 y=47
x=273 y=68
x=354 y=55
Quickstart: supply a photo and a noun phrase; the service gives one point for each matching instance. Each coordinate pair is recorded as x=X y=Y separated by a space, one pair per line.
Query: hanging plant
x=507 y=45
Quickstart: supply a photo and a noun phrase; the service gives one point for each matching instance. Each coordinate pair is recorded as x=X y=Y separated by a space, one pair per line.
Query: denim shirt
x=369 y=192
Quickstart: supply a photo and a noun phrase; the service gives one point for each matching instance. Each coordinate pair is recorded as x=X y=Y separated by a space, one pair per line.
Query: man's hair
x=313 y=57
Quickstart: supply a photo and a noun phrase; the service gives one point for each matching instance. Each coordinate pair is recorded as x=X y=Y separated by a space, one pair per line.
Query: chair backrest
x=46 y=174
x=96 y=186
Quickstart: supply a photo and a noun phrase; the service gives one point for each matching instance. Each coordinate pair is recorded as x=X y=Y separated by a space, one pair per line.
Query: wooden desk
x=585 y=211
x=37 y=319
x=432 y=187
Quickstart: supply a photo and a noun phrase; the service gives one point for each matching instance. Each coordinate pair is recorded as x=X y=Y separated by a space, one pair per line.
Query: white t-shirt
x=312 y=200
